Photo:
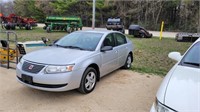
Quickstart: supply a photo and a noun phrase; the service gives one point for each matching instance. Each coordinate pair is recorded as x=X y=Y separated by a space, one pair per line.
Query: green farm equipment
x=68 y=24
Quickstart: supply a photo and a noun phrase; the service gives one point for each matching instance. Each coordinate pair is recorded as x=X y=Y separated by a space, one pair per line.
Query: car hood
x=183 y=90
x=57 y=55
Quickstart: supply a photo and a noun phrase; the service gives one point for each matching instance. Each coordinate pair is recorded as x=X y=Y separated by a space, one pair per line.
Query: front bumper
x=153 y=109
x=51 y=82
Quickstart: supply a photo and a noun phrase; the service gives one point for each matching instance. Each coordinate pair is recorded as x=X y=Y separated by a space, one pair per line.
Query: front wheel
x=30 y=27
x=88 y=81
x=12 y=27
x=45 y=27
x=7 y=26
x=142 y=35
x=27 y=27
x=128 y=62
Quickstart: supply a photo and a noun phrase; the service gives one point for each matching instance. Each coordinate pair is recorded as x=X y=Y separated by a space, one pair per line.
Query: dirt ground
x=120 y=91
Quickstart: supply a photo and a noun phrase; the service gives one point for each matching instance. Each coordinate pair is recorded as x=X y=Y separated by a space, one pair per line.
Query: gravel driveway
x=120 y=91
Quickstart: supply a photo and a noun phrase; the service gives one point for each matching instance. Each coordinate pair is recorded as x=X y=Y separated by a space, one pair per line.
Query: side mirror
x=106 y=48
x=175 y=56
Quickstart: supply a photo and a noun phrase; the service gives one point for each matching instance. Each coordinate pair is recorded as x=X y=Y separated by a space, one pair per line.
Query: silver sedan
x=76 y=61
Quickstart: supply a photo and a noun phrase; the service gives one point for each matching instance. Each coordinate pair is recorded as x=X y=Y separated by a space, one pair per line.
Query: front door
x=109 y=58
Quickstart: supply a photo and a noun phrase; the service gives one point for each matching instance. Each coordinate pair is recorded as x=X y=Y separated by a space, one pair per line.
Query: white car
x=180 y=89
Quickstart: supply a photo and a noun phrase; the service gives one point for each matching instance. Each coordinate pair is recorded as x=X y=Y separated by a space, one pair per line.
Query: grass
x=150 y=55
x=35 y=34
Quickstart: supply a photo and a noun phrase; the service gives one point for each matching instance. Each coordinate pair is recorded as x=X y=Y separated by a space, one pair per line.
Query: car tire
x=88 y=81
x=7 y=26
x=12 y=27
x=30 y=27
x=26 y=27
x=48 y=29
x=44 y=27
x=151 y=35
x=69 y=30
x=142 y=35
x=128 y=62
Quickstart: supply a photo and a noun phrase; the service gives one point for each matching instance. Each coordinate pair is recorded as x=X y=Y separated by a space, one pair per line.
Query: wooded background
x=179 y=15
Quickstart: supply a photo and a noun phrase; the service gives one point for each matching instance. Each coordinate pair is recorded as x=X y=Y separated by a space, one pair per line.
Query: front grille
x=32 y=68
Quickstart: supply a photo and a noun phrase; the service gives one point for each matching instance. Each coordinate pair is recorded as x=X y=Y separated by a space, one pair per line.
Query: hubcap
x=90 y=81
x=129 y=61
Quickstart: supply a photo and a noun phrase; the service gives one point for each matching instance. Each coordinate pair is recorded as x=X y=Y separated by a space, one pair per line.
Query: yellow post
x=161 y=29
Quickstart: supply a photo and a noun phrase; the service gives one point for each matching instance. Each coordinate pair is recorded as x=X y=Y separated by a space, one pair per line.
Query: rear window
x=121 y=39
x=114 y=21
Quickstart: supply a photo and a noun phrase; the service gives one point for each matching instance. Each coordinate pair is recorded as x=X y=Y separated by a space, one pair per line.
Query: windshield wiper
x=57 y=45
x=74 y=47
x=192 y=63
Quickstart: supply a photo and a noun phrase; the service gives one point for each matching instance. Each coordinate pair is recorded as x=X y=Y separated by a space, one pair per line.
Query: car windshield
x=114 y=20
x=192 y=58
x=80 y=40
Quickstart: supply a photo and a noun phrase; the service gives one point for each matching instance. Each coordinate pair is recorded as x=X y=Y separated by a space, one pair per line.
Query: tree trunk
x=158 y=15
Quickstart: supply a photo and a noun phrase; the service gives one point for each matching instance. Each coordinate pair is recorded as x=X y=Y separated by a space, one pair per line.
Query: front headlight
x=58 y=69
x=161 y=107
x=21 y=60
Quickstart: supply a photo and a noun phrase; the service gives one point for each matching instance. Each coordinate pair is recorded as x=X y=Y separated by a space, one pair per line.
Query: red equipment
x=12 y=21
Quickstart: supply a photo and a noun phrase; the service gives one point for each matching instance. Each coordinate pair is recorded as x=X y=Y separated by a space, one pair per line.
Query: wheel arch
x=131 y=53
x=96 y=67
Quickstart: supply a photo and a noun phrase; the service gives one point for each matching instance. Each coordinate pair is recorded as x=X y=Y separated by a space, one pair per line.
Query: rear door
x=121 y=47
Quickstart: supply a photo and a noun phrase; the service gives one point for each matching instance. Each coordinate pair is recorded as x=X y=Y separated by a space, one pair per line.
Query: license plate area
x=27 y=79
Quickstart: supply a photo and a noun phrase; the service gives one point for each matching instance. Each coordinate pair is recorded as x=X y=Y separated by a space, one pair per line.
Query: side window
x=109 y=40
x=120 y=39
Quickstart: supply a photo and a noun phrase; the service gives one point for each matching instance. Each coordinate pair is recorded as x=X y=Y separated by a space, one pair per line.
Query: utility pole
x=93 y=15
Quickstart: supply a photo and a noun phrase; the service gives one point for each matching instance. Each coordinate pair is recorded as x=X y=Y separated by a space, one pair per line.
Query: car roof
x=99 y=31
x=114 y=19
x=135 y=27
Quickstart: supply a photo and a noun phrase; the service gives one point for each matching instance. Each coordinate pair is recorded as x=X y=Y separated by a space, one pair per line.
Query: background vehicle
x=72 y=63
x=68 y=24
x=115 y=24
x=138 y=31
x=187 y=37
x=179 y=91
x=6 y=53
x=13 y=21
